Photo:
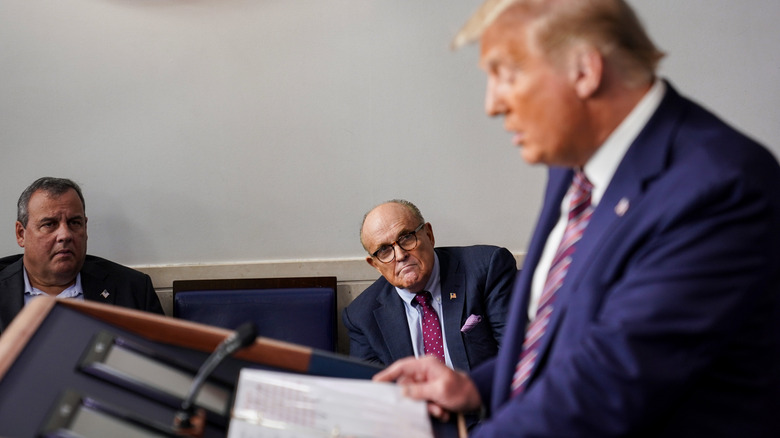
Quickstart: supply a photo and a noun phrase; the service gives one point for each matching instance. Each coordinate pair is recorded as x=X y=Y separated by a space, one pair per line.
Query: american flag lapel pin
x=453 y=296
x=105 y=293
x=622 y=207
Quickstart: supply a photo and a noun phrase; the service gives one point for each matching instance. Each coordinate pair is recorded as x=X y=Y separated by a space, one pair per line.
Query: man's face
x=410 y=269
x=55 y=239
x=536 y=97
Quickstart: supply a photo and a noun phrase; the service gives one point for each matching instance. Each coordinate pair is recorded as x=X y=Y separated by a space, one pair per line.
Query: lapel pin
x=622 y=207
x=104 y=294
x=453 y=296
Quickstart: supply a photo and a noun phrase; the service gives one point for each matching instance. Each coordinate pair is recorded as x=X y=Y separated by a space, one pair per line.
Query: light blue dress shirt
x=73 y=291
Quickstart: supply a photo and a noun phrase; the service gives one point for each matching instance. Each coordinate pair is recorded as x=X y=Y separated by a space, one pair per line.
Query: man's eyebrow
x=56 y=218
x=492 y=58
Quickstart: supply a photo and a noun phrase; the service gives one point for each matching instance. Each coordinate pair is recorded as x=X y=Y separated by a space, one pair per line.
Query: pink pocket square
x=471 y=322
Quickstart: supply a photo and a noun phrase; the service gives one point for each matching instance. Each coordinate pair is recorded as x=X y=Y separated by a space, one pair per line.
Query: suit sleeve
x=482 y=376
x=498 y=287
x=359 y=345
x=694 y=298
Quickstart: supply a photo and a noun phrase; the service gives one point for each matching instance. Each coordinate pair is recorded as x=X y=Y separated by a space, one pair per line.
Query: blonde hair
x=609 y=25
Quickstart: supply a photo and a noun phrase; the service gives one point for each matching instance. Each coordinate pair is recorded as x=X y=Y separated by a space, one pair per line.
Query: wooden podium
x=43 y=351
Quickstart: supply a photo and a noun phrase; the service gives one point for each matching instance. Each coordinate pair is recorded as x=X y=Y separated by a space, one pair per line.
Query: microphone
x=244 y=335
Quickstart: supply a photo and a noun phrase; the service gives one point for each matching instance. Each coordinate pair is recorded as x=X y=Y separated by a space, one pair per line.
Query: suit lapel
x=94 y=281
x=453 y=287
x=509 y=353
x=392 y=323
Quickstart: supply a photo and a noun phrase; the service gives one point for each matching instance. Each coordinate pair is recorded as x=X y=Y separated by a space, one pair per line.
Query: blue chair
x=288 y=309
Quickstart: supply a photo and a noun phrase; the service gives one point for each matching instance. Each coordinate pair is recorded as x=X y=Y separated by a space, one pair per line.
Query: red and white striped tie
x=580 y=211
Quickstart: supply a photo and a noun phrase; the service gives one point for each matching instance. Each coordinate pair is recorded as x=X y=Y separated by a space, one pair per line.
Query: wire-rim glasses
x=407 y=242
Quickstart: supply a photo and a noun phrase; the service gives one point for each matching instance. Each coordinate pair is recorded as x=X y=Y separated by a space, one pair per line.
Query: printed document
x=283 y=405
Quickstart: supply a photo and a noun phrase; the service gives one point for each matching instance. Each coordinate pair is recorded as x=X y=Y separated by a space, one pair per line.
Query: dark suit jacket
x=481 y=279
x=126 y=287
x=669 y=322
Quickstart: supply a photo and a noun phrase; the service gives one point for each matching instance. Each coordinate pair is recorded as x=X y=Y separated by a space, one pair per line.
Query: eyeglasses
x=407 y=242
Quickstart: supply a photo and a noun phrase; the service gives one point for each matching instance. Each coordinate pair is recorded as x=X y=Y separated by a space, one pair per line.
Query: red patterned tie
x=580 y=212
x=432 y=341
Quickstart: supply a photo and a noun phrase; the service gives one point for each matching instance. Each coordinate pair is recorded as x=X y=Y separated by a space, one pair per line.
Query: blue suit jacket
x=126 y=287
x=669 y=322
x=480 y=277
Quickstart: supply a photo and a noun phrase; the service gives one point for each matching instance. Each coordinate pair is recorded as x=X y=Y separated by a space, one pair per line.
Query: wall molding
x=353 y=276
x=346 y=270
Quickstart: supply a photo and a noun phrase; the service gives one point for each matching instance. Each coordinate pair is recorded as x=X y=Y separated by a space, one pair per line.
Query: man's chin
x=530 y=156
x=411 y=284
x=66 y=269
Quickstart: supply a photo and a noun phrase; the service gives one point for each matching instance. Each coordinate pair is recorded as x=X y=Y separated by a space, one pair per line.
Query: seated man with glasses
x=448 y=302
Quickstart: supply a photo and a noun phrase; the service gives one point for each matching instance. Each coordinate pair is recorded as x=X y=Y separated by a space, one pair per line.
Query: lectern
x=75 y=365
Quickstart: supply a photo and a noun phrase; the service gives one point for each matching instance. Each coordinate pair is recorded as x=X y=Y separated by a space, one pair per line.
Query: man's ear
x=20 y=234
x=429 y=231
x=586 y=70
x=370 y=260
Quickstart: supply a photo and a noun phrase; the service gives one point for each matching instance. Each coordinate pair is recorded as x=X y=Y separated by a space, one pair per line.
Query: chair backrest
x=301 y=310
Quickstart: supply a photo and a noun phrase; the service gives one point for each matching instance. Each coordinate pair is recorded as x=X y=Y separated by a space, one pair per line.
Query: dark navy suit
x=669 y=317
x=480 y=277
x=124 y=287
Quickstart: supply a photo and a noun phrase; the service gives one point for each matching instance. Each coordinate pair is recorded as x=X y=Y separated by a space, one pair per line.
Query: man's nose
x=64 y=233
x=400 y=253
x=494 y=105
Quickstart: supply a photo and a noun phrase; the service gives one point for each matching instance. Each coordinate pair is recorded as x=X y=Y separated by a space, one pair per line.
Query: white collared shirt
x=414 y=312
x=73 y=291
x=599 y=169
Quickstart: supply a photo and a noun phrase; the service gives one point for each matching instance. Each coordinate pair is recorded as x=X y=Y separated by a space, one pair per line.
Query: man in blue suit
x=469 y=289
x=665 y=319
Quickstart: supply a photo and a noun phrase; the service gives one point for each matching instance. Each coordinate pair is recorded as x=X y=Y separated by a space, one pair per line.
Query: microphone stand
x=188 y=420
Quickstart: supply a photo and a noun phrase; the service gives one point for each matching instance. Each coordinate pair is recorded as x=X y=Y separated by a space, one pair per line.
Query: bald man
x=469 y=292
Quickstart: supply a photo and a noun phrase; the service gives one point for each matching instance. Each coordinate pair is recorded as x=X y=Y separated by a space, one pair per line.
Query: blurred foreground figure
x=649 y=301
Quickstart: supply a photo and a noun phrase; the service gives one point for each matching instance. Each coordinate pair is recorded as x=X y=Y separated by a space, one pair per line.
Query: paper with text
x=281 y=405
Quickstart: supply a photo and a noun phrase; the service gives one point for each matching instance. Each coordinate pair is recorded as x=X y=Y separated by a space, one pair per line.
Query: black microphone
x=244 y=335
